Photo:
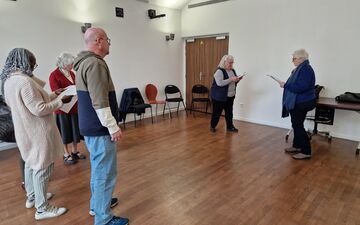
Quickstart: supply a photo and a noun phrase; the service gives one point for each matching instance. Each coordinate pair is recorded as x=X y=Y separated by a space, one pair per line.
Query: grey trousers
x=36 y=185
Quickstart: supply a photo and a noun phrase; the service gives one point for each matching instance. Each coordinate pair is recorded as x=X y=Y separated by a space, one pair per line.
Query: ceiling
x=174 y=4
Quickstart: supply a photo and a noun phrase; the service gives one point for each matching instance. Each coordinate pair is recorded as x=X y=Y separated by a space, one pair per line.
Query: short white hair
x=64 y=59
x=301 y=54
x=224 y=59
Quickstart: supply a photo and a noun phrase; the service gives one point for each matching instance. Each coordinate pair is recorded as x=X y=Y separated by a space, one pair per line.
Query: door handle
x=200 y=76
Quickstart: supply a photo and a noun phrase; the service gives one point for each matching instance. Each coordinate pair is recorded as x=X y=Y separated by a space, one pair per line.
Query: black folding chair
x=133 y=102
x=199 y=94
x=173 y=94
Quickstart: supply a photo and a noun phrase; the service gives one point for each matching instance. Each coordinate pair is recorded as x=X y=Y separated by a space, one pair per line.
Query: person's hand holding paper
x=69 y=98
x=280 y=82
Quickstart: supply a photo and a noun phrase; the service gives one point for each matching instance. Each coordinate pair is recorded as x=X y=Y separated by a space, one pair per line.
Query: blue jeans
x=103 y=176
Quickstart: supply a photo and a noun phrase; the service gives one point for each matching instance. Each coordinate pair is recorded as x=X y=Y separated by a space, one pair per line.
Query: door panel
x=202 y=58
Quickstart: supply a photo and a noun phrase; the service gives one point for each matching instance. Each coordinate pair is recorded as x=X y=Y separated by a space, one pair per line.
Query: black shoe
x=77 y=155
x=114 y=202
x=116 y=220
x=232 y=129
x=69 y=160
x=213 y=130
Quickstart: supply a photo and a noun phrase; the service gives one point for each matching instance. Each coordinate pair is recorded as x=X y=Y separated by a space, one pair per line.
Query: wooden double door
x=202 y=58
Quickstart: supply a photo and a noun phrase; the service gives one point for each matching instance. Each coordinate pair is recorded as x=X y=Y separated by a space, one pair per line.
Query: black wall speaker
x=119 y=12
x=152 y=13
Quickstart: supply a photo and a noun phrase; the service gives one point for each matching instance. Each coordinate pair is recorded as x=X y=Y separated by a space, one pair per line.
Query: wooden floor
x=175 y=172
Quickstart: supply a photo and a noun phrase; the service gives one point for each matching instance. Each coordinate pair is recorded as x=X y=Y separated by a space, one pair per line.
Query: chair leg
x=191 y=107
x=287 y=135
x=184 y=107
x=169 y=110
x=177 y=111
x=135 y=119
x=164 y=110
x=155 y=108
x=152 y=119
x=124 y=123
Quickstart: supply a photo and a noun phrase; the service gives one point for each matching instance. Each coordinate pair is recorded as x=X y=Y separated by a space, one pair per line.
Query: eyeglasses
x=293 y=59
x=107 y=39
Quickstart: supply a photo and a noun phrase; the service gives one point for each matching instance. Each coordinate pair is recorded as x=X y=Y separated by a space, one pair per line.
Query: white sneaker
x=92 y=213
x=31 y=203
x=50 y=212
x=301 y=156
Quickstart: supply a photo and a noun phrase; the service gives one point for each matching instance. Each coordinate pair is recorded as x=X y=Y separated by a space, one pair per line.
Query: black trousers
x=298 y=115
x=218 y=107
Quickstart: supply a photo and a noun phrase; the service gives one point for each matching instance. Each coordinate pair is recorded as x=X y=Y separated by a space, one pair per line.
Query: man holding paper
x=299 y=98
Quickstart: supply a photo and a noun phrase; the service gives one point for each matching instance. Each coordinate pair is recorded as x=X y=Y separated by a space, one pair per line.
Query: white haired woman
x=223 y=92
x=36 y=134
x=68 y=124
x=299 y=98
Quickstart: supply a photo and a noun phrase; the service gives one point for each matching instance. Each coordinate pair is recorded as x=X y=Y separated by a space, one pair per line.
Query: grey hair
x=301 y=54
x=19 y=59
x=224 y=59
x=64 y=59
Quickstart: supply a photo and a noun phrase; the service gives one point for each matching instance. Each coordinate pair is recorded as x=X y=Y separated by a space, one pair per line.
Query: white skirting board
x=7 y=145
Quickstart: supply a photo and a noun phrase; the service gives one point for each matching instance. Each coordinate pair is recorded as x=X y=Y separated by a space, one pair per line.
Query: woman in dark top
x=67 y=123
x=299 y=98
x=223 y=92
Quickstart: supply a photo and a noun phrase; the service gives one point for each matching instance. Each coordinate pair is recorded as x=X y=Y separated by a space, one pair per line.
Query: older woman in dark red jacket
x=67 y=123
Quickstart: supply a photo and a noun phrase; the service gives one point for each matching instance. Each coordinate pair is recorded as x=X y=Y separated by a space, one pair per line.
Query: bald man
x=98 y=123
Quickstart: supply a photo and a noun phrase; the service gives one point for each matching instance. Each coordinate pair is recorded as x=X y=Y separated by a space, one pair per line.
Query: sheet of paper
x=274 y=78
x=70 y=90
x=68 y=106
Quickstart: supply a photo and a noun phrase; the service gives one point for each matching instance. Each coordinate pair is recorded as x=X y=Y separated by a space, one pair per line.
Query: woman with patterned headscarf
x=36 y=133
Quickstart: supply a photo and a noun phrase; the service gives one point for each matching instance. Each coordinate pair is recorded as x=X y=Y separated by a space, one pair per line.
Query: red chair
x=151 y=93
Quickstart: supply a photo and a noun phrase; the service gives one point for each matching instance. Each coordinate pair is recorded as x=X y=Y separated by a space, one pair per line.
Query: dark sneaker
x=233 y=129
x=301 y=156
x=113 y=203
x=292 y=150
x=213 y=130
x=69 y=160
x=116 y=220
x=77 y=155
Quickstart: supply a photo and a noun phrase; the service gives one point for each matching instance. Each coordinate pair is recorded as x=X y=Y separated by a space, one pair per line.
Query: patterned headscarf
x=19 y=59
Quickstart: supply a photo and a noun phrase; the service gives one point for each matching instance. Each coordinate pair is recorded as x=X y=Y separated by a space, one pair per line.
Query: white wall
x=263 y=35
x=139 y=53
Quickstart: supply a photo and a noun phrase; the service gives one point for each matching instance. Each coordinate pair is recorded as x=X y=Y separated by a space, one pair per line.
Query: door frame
x=188 y=39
